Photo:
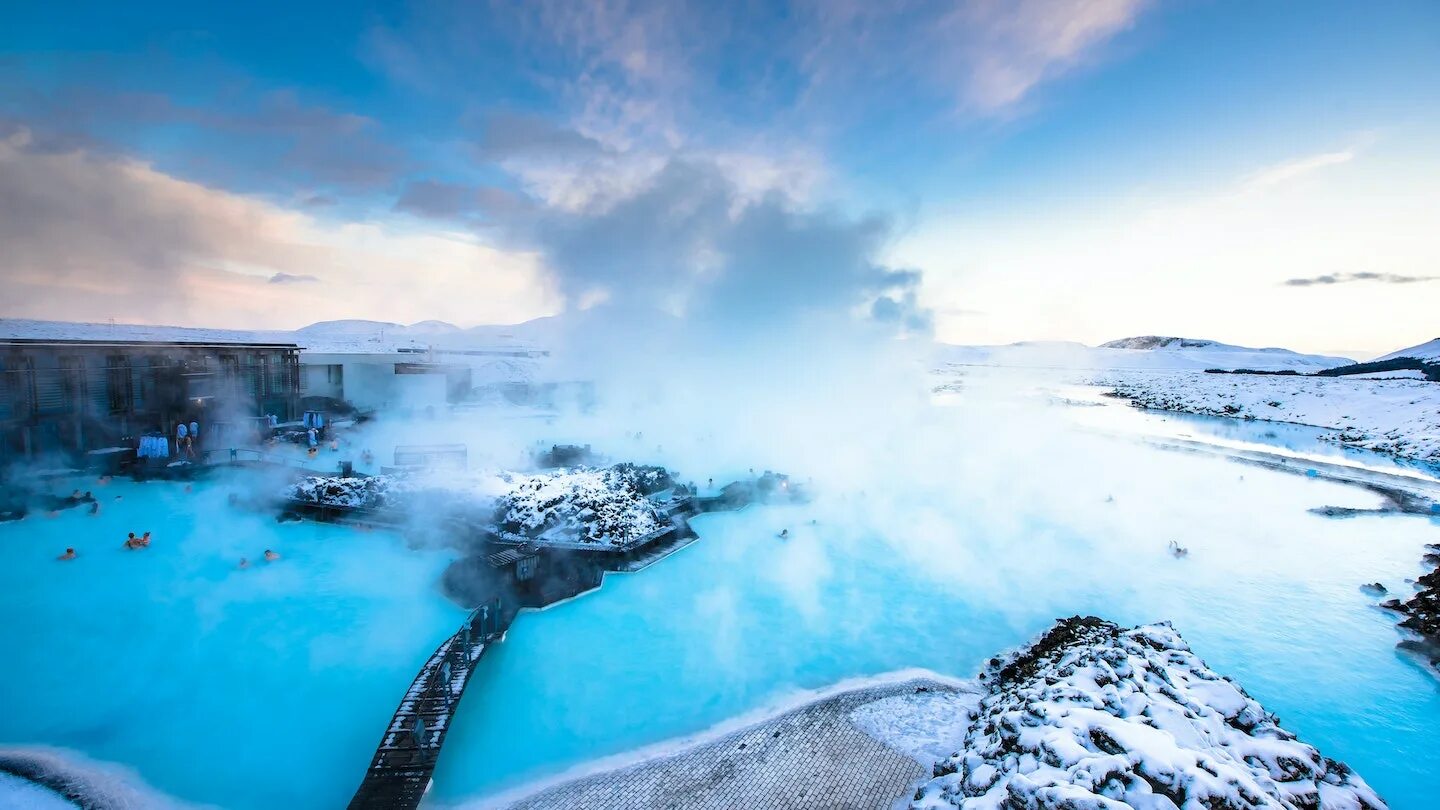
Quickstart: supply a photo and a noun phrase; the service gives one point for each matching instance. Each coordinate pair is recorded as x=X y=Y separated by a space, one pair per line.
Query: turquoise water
x=264 y=687
x=1268 y=595
x=270 y=686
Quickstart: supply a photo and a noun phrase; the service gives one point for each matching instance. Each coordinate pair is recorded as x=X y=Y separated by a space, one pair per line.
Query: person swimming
x=68 y=555
x=145 y=541
x=95 y=507
x=132 y=542
x=271 y=556
x=784 y=534
x=244 y=563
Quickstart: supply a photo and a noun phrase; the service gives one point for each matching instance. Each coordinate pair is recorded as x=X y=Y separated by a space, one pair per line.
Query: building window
x=118 y=383
x=335 y=374
x=72 y=383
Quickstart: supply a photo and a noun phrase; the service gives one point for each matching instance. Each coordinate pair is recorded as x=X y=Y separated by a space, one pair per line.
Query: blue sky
x=996 y=171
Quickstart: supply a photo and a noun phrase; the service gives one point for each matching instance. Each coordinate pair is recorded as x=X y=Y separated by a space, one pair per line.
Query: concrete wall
x=369 y=382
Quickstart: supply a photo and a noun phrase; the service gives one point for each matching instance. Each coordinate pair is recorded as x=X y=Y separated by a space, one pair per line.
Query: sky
x=1266 y=174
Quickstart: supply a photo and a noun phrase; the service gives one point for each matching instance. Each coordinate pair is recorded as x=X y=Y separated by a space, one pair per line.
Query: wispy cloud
x=291 y=278
x=1290 y=170
x=988 y=55
x=1009 y=48
x=1350 y=278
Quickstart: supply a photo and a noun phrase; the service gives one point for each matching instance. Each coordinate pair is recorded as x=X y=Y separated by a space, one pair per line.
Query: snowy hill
x=1150 y=352
x=1428 y=351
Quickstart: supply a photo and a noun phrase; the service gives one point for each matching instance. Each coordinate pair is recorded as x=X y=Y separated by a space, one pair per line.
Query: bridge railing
x=242 y=455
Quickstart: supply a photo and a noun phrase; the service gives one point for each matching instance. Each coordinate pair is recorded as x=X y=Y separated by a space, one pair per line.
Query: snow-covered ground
x=1149 y=352
x=1399 y=416
x=1093 y=716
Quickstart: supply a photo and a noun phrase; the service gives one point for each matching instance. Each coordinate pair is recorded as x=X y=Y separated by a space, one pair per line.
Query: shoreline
x=790 y=703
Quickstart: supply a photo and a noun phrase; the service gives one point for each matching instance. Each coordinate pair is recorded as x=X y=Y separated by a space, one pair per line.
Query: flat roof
x=191 y=344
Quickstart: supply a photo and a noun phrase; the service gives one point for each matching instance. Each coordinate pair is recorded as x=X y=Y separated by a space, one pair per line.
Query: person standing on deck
x=180 y=433
x=194 y=431
x=310 y=434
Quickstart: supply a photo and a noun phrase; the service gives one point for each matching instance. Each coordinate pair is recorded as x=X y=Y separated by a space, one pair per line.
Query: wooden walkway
x=400 y=773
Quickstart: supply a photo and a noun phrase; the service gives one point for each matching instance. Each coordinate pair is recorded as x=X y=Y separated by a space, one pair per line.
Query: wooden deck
x=399 y=774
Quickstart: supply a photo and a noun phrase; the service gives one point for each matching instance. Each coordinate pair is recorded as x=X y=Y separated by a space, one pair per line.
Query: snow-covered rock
x=1095 y=717
x=605 y=506
x=1398 y=416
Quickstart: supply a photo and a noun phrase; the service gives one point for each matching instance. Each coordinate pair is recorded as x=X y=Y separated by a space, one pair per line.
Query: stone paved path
x=808 y=757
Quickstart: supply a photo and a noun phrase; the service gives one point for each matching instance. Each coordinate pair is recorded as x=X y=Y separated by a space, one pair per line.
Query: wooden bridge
x=400 y=773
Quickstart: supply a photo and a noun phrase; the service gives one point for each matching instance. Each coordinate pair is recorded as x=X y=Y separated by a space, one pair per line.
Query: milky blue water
x=263 y=687
x=270 y=686
x=947 y=576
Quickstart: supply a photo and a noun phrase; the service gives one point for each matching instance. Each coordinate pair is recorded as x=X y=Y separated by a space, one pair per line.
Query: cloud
x=1009 y=48
x=89 y=236
x=986 y=55
x=509 y=135
x=458 y=202
x=1350 y=278
x=692 y=242
x=273 y=136
x=1290 y=170
x=291 y=278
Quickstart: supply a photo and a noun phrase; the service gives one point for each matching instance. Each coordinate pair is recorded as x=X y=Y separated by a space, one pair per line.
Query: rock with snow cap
x=1094 y=716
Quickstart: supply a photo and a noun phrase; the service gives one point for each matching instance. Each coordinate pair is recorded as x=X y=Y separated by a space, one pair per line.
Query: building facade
x=71 y=396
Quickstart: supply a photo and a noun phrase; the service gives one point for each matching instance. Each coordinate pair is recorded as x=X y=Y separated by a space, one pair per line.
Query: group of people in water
x=270 y=556
x=133 y=543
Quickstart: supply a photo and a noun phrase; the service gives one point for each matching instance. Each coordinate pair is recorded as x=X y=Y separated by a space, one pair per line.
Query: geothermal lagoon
x=171 y=674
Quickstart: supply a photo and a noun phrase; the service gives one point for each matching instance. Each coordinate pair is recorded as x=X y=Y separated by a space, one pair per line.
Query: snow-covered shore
x=1397 y=416
x=1095 y=716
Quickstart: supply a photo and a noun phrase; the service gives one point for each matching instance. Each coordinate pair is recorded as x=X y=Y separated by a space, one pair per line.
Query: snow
x=396 y=490
x=1429 y=350
x=1149 y=352
x=1093 y=716
x=1398 y=416
x=22 y=793
x=605 y=506
x=925 y=726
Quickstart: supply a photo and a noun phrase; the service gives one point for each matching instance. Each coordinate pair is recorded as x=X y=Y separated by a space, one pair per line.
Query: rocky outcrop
x=1094 y=716
x=1422 y=612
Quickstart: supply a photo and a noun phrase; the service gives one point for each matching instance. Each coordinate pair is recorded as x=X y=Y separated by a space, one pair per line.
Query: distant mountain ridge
x=1429 y=351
